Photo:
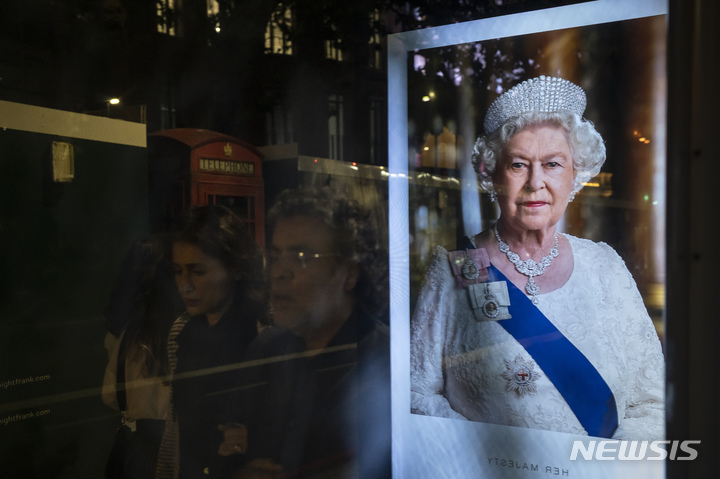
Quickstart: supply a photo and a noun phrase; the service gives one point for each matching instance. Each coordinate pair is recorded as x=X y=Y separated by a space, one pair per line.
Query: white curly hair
x=586 y=145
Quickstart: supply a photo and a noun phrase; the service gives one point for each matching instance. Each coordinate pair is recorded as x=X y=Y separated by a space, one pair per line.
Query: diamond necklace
x=529 y=268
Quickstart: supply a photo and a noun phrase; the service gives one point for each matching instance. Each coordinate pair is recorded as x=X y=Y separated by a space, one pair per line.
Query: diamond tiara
x=541 y=94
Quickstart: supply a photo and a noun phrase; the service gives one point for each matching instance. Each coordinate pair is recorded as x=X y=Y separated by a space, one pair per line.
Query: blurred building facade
x=267 y=72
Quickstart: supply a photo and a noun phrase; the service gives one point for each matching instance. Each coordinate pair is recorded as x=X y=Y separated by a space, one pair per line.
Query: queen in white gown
x=464 y=363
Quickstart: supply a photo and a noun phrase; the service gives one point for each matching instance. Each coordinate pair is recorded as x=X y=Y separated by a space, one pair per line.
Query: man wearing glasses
x=319 y=404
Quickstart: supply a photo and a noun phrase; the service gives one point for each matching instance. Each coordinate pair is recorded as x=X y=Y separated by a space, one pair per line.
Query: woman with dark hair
x=218 y=273
x=142 y=306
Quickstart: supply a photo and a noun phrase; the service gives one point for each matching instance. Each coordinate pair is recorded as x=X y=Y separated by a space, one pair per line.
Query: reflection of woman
x=219 y=277
x=521 y=325
x=141 y=309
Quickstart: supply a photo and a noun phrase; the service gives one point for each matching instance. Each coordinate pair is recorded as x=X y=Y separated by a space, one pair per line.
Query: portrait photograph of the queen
x=537 y=276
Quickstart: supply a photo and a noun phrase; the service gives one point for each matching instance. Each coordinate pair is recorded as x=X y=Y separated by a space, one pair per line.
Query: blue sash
x=577 y=380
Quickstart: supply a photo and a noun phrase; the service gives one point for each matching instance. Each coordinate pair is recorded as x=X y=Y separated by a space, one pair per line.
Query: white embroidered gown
x=599 y=310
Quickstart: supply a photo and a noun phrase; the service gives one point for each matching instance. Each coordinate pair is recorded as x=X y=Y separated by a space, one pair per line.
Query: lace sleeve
x=642 y=412
x=433 y=311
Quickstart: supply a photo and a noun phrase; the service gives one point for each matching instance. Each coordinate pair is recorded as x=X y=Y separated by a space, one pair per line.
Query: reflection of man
x=312 y=284
x=322 y=407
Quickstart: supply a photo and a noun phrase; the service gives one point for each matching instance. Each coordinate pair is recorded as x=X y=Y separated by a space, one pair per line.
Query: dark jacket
x=206 y=373
x=328 y=412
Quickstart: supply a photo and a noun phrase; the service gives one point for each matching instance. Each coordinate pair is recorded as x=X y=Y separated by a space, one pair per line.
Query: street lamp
x=111 y=101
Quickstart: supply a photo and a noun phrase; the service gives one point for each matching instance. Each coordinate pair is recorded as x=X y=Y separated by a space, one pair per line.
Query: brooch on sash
x=521 y=376
x=489 y=300
x=469 y=266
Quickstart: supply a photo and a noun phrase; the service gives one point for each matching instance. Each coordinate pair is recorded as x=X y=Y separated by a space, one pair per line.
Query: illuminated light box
x=441 y=82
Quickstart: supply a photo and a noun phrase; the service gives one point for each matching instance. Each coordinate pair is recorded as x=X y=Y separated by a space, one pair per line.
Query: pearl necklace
x=529 y=267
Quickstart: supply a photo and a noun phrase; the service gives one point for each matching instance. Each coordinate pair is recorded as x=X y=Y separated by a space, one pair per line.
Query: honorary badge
x=469 y=266
x=469 y=270
x=491 y=306
x=521 y=376
x=490 y=300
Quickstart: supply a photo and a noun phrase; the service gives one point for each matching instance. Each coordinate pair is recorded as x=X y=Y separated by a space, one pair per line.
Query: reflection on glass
x=314 y=394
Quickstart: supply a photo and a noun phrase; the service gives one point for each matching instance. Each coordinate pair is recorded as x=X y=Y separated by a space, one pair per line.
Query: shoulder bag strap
x=120 y=375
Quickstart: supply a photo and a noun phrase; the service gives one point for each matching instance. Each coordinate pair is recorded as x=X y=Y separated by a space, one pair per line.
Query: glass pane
x=441 y=322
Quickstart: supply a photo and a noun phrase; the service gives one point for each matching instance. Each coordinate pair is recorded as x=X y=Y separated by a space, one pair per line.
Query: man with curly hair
x=318 y=404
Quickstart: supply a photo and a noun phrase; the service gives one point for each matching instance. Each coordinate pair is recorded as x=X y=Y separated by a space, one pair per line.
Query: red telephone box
x=200 y=167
